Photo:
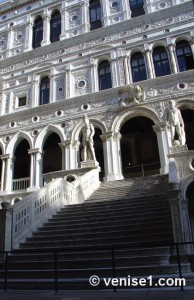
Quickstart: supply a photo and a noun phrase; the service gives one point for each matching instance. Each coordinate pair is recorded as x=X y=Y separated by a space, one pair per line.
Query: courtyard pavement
x=151 y=294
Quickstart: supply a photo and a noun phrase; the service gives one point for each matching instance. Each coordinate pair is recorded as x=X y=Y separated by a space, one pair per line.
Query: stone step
x=52 y=231
x=115 y=216
x=143 y=221
x=134 y=239
x=95 y=234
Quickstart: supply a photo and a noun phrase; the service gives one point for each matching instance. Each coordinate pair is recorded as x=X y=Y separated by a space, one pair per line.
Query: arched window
x=44 y=90
x=184 y=56
x=104 y=75
x=95 y=14
x=161 y=62
x=136 y=7
x=55 y=28
x=138 y=68
x=37 y=33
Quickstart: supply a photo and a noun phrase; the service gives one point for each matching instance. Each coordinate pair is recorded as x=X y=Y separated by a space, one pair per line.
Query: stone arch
x=136 y=112
x=16 y=139
x=184 y=184
x=136 y=49
x=78 y=128
x=160 y=43
x=182 y=37
x=2 y=146
x=46 y=132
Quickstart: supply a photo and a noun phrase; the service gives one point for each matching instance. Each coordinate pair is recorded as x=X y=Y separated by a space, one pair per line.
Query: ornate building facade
x=118 y=62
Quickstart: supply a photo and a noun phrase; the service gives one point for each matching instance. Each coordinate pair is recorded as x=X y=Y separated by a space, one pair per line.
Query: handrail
x=142 y=167
x=112 y=249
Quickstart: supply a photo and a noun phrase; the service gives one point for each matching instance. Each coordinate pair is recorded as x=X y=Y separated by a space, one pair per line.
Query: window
x=37 y=33
x=55 y=29
x=44 y=90
x=184 y=56
x=138 y=68
x=95 y=14
x=136 y=7
x=104 y=75
x=21 y=101
x=161 y=62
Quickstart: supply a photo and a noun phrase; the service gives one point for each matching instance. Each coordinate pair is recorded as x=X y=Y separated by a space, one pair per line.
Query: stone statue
x=88 y=131
x=172 y=116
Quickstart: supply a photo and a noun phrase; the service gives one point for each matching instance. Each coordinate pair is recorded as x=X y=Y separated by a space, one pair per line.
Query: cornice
x=9 y=6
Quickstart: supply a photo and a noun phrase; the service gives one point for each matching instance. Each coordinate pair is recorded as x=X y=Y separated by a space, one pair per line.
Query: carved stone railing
x=25 y=216
x=20 y=184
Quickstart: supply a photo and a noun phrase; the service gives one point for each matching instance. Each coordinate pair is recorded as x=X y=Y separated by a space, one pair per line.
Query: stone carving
x=114 y=6
x=81 y=85
x=131 y=95
x=88 y=131
x=60 y=92
x=152 y=92
x=74 y=18
x=19 y=37
x=173 y=118
x=69 y=125
x=3 y=42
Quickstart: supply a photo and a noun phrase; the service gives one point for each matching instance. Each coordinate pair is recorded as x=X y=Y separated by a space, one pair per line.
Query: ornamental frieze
x=103 y=40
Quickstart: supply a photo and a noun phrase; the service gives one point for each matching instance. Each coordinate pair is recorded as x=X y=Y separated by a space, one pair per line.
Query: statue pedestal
x=89 y=164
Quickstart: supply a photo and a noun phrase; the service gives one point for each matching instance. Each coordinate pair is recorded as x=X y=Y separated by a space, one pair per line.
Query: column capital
x=7 y=156
x=159 y=127
x=110 y=135
x=35 y=150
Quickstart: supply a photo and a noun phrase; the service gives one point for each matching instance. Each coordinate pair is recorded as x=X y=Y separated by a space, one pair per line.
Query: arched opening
x=98 y=146
x=139 y=148
x=190 y=198
x=37 y=33
x=138 y=68
x=161 y=61
x=44 y=90
x=137 y=8
x=21 y=171
x=188 y=118
x=52 y=155
x=55 y=27
x=184 y=56
x=95 y=14
x=104 y=75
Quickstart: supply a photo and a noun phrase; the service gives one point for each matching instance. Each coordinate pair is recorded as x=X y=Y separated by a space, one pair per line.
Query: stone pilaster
x=149 y=63
x=160 y=130
x=86 y=18
x=7 y=173
x=112 y=158
x=171 y=50
x=46 y=28
x=28 y=36
x=35 y=169
x=69 y=154
x=94 y=75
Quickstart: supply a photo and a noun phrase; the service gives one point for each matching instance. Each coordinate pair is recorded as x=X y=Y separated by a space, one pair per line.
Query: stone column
x=104 y=13
x=85 y=14
x=126 y=70
x=69 y=154
x=126 y=9
x=6 y=229
x=7 y=173
x=63 y=34
x=112 y=157
x=186 y=225
x=171 y=48
x=35 y=92
x=113 y=68
x=35 y=169
x=94 y=75
x=176 y=213
x=149 y=63
x=46 y=29
x=161 y=132
x=120 y=68
x=28 y=37
x=68 y=86
x=10 y=38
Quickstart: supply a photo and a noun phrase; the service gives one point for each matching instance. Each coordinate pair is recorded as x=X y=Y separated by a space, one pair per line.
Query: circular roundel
x=81 y=83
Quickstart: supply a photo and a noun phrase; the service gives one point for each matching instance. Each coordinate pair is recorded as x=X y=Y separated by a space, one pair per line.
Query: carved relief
x=3 y=42
x=19 y=37
x=114 y=6
x=74 y=17
x=131 y=95
x=81 y=85
x=60 y=91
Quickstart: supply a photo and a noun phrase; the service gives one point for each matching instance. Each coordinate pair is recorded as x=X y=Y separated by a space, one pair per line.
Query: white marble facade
x=72 y=67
